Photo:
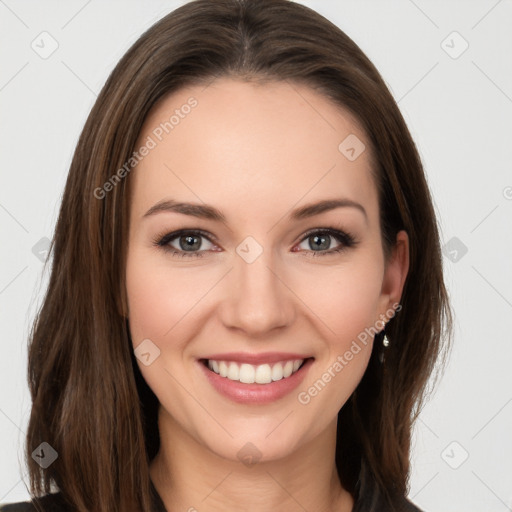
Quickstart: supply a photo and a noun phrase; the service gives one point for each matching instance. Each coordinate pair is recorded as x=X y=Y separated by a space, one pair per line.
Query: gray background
x=458 y=106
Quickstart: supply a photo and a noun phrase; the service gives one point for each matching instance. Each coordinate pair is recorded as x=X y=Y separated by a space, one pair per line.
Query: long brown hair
x=90 y=402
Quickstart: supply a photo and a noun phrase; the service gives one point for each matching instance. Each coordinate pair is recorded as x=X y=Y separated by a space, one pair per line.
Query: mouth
x=250 y=373
x=252 y=383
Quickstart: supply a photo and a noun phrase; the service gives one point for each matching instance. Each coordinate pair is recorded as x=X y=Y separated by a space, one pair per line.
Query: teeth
x=259 y=374
x=246 y=374
x=223 y=369
x=263 y=374
x=288 y=369
x=233 y=371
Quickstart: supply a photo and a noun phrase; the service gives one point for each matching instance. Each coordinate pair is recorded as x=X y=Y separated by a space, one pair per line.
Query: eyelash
x=162 y=241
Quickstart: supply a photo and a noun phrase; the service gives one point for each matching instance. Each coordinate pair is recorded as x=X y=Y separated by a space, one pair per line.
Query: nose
x=257 y=299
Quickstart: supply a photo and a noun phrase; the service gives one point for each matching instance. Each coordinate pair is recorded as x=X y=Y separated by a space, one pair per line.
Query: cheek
x=157 y=298
x=158 y=302
x=345 y=298
x=147 y=298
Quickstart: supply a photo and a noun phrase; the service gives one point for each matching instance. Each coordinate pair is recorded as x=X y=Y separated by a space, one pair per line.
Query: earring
x=385 y=345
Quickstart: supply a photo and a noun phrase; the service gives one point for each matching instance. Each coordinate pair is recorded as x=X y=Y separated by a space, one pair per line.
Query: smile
x=255 y=379
x=259 y=374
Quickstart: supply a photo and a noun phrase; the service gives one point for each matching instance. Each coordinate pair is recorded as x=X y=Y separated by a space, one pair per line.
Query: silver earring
x=385 y=344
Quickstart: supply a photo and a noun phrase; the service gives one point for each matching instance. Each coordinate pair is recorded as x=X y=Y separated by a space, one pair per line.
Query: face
x=248 y=280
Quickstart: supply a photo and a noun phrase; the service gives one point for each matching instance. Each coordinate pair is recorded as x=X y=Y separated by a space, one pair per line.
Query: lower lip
x=256 y=393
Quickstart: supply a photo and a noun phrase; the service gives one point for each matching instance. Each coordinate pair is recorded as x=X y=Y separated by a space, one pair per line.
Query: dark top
x=55 y=503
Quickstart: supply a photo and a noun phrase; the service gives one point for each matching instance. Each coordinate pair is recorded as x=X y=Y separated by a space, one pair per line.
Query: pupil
x=318 y=244
x=189 y=242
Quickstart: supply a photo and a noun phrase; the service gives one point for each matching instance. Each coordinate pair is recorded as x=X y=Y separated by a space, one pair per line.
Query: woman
x=246 y=299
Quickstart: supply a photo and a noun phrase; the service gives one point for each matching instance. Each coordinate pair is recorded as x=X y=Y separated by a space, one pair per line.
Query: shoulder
x=48 y=503
x=20 y=506
x=398 y=504
x=405 y=506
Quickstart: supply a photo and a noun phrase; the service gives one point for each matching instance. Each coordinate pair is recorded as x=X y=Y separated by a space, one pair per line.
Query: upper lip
x=264 y=357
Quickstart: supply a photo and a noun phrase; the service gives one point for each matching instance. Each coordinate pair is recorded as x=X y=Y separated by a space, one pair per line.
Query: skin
x=255 y=152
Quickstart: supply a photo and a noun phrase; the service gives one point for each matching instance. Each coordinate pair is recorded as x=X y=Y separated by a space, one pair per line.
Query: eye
x=321 y=239
x=187 y=243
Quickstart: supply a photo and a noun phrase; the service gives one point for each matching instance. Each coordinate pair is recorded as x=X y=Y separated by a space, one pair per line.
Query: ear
x=395 y=272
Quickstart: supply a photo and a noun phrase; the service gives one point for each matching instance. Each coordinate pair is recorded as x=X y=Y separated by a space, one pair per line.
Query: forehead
x=240 y=144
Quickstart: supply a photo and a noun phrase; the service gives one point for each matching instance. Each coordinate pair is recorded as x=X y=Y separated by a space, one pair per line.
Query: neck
x=188 y=476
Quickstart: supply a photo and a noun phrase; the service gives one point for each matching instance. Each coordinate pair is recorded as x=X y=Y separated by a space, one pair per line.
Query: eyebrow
x=205 y=211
